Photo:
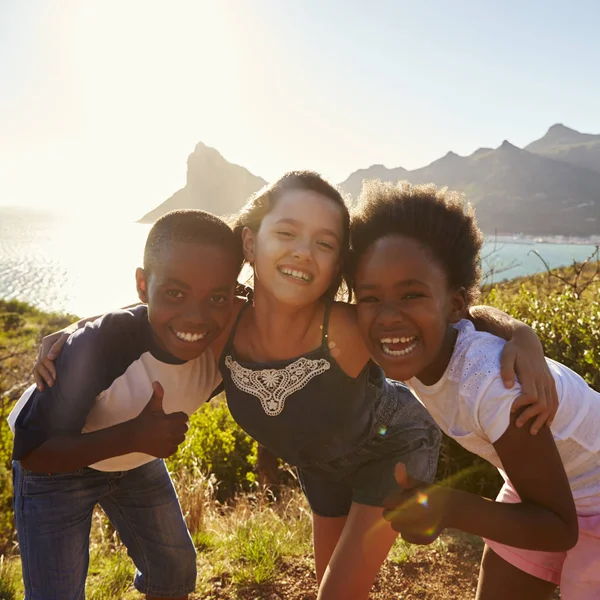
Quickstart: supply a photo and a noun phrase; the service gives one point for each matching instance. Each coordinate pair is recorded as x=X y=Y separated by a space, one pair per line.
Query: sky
x=101 y=101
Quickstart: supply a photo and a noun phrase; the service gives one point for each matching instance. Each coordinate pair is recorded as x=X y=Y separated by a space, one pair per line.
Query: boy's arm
x=44 y=371
x=545 y=519
x=91 y=360
x=522 y=356
x=152 y=432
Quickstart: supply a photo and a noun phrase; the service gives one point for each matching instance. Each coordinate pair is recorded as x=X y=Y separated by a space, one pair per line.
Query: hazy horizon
x=103 y=102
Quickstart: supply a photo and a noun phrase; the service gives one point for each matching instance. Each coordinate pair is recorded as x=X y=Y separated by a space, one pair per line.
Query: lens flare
x=382 y=430
x=423 y=499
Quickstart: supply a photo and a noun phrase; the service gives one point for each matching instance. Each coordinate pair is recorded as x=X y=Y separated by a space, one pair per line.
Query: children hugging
x=302 y=375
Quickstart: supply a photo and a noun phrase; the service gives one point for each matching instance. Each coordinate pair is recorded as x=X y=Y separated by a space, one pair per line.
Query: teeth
x=387 y=350
x=396 y=340
x=189 y=337
x=297 y=274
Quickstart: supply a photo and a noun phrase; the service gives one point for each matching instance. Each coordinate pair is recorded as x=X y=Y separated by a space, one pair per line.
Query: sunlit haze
x=102 y=101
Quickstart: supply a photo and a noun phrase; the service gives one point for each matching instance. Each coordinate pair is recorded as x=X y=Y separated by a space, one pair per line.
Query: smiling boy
x=94 y=438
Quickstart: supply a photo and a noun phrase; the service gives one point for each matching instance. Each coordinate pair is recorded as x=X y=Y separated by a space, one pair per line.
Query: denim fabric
x=402 y=431
x=53 y=514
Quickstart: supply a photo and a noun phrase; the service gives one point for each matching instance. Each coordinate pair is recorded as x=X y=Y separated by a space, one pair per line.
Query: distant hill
x=212 y=184
x=515 y=190
x=353 y=184
x=552 y=187
x=568 y=145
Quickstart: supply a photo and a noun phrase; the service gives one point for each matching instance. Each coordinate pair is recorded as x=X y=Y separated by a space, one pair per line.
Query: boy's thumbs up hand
x=155 y=403
x=158 y=433
x=416 y=511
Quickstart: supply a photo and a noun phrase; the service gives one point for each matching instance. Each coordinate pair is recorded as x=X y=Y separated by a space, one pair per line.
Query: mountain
x=568 y=145
x=551 y=187
x=516 y=191
x=212 y=184
x=353 y=184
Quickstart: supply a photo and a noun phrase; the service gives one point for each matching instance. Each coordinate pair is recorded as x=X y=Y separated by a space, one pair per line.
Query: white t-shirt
x=472 y=406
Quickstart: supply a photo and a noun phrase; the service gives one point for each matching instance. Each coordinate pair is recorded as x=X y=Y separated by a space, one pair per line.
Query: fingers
x=179 y=416
x=552 y=394
x=50 y=369
x=155 y=404
x=521 y=401
x=401 y=475
x=43 y=375
x=421 y=540
x=553 y=404
x=507 y=365
x=539 y=422
x=158 y=389
x=536 y=411
x=403 y=478
x=57 y=347
x=39 y=382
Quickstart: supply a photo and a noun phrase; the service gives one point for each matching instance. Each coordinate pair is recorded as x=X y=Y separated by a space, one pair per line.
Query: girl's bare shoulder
x=346 y=344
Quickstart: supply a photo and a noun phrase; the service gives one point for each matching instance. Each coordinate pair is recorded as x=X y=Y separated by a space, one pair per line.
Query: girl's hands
x=418 y=511
x=523 y=356
x=44 y=372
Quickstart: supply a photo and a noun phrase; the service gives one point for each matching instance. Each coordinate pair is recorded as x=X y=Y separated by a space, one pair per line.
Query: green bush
x=7 y=528
x=567 y=325
x=10 y=321
x=460 y=469
x=219 y=447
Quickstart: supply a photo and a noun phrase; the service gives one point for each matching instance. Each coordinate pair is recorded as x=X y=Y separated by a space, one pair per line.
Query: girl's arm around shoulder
x=346 y=344
x=522 y=357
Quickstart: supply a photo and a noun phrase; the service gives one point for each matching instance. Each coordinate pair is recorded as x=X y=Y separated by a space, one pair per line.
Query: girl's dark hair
x=262 y=202
x=437 y=218
x=190 y=225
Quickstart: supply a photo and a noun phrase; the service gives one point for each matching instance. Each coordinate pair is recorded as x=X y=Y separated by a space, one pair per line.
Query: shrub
x=567 y=325
x=216 y=444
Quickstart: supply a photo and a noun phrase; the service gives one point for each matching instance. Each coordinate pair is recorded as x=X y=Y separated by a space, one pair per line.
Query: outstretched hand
x=417 y=511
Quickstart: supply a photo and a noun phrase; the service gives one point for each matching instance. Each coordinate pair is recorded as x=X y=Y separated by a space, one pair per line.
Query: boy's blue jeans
x=53 y=514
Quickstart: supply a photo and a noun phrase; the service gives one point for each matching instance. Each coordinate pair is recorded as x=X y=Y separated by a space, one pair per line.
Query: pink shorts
x=576 y=571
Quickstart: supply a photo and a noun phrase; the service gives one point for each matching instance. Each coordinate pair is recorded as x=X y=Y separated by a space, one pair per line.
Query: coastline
x=530 y=240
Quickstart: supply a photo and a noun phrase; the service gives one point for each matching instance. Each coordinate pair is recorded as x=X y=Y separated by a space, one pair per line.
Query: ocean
x=87 y=267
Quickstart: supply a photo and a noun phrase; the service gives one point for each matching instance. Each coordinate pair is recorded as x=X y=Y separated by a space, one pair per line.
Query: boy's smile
x=405 y=309
x=189 y=293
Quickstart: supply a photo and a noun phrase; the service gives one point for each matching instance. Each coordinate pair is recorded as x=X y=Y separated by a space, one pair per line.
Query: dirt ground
x=441 y=574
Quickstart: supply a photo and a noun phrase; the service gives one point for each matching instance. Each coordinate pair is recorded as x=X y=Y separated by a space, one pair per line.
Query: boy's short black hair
x=190 y=225
x=439 y=219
